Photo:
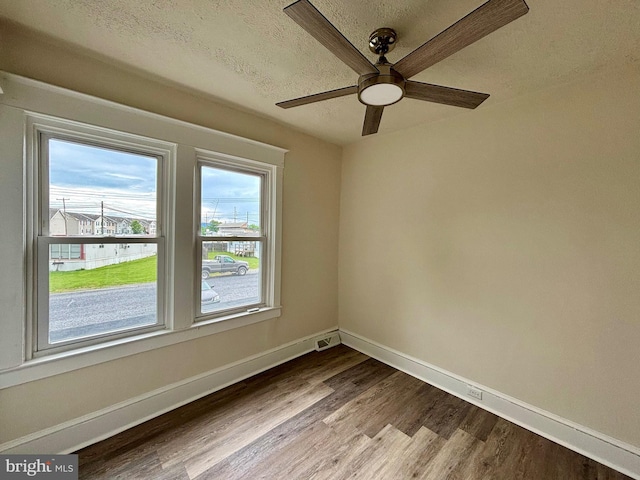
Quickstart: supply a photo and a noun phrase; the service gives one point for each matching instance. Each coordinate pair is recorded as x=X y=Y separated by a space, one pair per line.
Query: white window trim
x=23 y=97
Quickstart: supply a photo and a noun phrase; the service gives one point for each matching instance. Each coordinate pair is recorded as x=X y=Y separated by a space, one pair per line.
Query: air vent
x=327 y=340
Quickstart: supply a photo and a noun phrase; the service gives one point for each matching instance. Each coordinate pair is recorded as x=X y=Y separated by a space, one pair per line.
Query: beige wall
x=503 y=245
x=310 y=242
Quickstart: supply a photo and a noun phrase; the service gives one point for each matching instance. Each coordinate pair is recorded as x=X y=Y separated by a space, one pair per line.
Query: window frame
x=270 y=212
x=27 y=102
x=41 y=129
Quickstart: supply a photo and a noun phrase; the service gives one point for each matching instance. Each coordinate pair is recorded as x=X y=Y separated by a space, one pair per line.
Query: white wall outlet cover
x=474 y=392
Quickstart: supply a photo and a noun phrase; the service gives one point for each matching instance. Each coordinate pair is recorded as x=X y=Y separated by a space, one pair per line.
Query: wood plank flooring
x=336 y=414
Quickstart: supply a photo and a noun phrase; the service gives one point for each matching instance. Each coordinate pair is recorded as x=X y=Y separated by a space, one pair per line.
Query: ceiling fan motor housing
x=384 y=88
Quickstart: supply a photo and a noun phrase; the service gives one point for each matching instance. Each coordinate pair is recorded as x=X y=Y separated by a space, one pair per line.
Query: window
x=66 y=252
x=235 y=245
x=96 y=284
x=108 y=187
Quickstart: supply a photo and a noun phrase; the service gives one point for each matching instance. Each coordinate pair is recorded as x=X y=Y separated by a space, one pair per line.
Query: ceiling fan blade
x=372 y=120
x=444 y=95
x=309 y=18
x=481 y=22
x=318 y=97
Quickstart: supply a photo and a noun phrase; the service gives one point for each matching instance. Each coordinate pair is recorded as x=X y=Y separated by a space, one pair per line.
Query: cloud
x=125 y=177
x=87 y=176
x=230 y=196
x=78 y=165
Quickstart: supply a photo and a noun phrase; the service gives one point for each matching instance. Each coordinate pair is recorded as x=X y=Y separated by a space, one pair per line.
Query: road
x=234 y=290
x=92 y=312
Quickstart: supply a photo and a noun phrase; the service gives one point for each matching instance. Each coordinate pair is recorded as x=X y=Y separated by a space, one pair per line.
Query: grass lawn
x=127 y=273
x=135 y=271
x=252 y=261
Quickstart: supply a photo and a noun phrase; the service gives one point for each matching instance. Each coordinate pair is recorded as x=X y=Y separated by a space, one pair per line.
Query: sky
x=229 y=196
x=87 y=175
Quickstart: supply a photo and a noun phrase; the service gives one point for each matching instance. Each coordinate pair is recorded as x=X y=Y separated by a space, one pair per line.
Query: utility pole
x=215 y=209
x=64 y=213
x=235 y=215
x=102 y=218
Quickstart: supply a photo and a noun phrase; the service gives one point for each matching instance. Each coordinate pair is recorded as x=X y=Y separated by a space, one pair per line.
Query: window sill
x=240 y=319
x=58 y=363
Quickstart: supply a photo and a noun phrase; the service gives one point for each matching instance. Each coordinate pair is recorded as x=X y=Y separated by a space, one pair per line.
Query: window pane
x=106 y=288
x=230 y=269
x=230 y=202
x=65 y=252
x=230 y=275
x=100 y=191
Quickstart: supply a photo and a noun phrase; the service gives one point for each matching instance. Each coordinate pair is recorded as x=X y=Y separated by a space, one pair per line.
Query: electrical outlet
x=474 y=392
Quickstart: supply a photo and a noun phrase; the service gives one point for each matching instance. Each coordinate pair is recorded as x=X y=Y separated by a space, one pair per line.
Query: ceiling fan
x=385 y=83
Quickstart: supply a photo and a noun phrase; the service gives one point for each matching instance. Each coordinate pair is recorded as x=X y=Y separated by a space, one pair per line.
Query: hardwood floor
x=336 y=414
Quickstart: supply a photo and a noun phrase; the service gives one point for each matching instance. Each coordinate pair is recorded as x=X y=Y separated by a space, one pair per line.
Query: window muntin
x=100 y=249
x=232 y=235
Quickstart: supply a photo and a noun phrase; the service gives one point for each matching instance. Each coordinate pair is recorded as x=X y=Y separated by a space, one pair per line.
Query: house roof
x=93 y=217
x=76 y=215
x=233 y=225
x=259 y=56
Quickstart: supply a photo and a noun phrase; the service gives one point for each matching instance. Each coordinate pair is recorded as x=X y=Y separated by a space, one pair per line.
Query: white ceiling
x=249 y=53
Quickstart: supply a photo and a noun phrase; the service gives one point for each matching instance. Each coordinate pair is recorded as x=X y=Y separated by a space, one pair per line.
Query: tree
x=254 y=227
x=136 y=227
x=213 y=226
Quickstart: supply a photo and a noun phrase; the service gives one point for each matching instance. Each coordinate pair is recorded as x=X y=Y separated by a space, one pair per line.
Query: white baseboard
x=611 y=452
x=70 y=436
x=80 y=432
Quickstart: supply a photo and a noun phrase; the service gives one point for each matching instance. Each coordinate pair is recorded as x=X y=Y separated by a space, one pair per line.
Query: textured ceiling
x=251 y=54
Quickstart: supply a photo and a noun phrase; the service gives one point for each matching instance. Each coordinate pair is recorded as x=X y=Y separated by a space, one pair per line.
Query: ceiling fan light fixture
x=381 y=94
x=381 y=89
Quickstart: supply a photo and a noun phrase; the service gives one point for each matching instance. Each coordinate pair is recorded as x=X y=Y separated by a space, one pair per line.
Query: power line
x=130 y=213
x=110 y=208
x=98 y=194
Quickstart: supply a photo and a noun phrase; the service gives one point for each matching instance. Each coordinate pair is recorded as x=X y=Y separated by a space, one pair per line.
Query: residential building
x=104 y=225
x=149 y=226
x=72 y=223
x=123 y=225
x=233 y=228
